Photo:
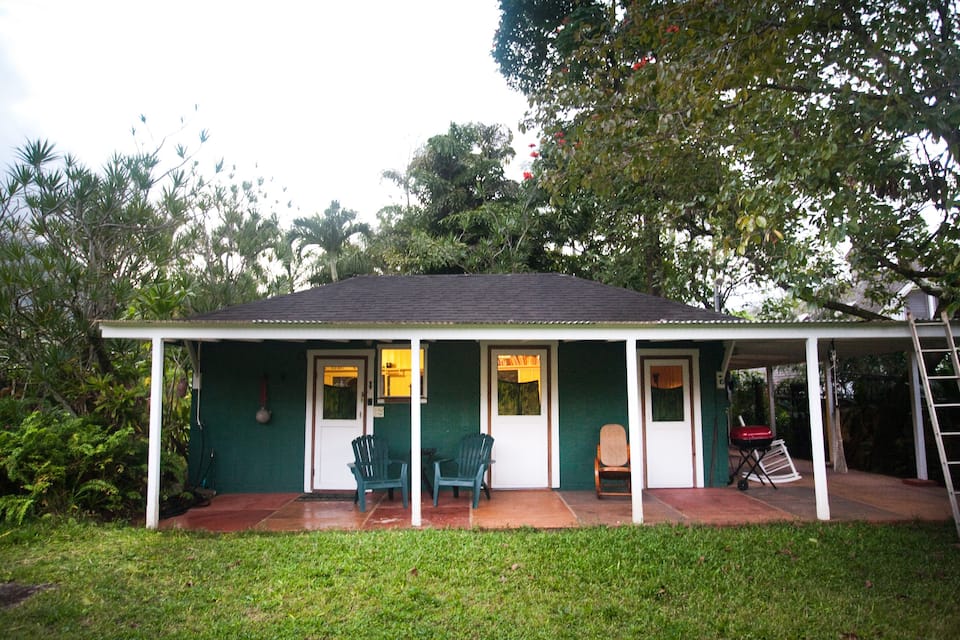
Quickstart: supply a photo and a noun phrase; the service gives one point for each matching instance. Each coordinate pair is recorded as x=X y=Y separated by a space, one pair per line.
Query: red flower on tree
x=673 y=29
x=534 y=154
x=527 y=175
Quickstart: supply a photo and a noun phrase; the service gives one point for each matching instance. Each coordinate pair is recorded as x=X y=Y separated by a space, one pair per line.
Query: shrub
x=12 y=411
x=59 y=464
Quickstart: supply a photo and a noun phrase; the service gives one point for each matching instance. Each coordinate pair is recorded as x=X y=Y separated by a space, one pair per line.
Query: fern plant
x=61 y=464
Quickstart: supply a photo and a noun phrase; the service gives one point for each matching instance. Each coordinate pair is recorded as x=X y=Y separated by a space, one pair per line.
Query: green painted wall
x=452 y=409
x=250 y=457
x=715 y=405
x=592 y=392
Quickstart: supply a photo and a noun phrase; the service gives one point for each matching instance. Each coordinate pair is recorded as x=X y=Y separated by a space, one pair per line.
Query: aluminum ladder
x=946 y=431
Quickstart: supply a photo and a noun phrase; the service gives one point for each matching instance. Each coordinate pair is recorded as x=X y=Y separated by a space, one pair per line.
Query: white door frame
x=693 y=355
x=552 y=401
x=369 y=355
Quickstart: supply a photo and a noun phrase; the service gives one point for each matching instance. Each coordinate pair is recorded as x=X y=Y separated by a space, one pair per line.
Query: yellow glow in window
x=518 y=385
x=396 y=375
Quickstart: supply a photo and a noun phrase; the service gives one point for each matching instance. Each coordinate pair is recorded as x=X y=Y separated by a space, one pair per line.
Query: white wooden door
x=668 y=423
x=338 y=417
x=519 y=418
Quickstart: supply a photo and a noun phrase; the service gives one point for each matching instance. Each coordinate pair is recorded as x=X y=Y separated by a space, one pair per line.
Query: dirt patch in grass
x=13 y=593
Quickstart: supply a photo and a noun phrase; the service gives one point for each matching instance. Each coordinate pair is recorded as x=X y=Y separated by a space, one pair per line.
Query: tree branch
x=852 y=310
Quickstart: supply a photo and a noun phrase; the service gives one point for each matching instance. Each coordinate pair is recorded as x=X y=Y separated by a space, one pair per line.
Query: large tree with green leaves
x=463 y=214
x=230 y=244
x=144 y=236
x=331 y=236
x=818 y=142
x=75 y=247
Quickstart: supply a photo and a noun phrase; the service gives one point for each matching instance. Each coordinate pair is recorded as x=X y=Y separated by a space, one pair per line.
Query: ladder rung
x=943 y=377
x=941 y=350
x=950 y=433
x=947 y=405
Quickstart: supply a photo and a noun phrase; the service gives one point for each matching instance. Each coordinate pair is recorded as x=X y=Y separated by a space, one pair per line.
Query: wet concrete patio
x=854 y=496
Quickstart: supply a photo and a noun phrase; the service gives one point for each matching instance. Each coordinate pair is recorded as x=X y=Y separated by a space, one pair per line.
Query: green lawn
x=774 y=581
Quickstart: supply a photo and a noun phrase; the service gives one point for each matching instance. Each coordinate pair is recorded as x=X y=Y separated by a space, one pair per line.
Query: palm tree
x=331 y=233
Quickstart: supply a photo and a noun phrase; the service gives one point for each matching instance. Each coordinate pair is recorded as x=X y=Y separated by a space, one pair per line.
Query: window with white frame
x=396 y=375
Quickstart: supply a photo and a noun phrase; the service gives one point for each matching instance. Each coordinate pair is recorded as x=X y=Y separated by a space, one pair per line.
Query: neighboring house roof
x=900 y=297
x=524 y=298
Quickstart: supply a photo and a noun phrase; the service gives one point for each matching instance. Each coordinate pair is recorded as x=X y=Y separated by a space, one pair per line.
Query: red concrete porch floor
x=853 y=496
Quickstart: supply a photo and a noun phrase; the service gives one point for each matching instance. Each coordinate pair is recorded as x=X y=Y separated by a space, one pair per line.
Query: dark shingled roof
x=531 y=298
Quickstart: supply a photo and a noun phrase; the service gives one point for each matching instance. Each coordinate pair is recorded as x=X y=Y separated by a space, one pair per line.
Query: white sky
x=318 y=96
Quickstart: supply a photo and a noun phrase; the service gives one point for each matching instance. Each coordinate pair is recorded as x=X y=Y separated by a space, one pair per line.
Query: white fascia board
x=657 y=332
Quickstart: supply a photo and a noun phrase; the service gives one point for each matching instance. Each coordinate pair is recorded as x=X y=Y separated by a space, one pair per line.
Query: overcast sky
x=318 y=96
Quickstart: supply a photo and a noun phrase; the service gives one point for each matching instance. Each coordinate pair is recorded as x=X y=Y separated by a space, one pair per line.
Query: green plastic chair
x=371 y=469
x=472 y=463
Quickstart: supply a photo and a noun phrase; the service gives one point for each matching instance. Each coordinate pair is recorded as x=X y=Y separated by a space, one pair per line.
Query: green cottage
x=538 y=361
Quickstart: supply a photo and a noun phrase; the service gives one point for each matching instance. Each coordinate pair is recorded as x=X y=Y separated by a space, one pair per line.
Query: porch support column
x=771 y=402
x=153 y=450
x=816 y=430
x=831 y=417
x=633 y=427
x=916 y=410
x=416 y=461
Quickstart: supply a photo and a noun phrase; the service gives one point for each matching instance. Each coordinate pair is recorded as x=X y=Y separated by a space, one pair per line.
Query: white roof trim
x=614 y=332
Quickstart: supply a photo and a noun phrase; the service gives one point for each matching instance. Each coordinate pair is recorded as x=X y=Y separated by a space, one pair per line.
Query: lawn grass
x=771 y=581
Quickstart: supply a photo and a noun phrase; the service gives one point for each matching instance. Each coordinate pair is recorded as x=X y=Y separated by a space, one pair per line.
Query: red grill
x=751 y=437
x=753 y=441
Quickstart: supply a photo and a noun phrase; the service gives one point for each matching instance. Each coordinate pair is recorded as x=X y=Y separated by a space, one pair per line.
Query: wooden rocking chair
x=612 y=464
x=371 y=469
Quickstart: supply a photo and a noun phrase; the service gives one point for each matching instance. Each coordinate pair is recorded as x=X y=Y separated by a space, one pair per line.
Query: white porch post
x=816 y=430
x=153 y=450
x=771 y=402
x=916 y=405
x=831 y=422
x=633 y=427
x=416 y=462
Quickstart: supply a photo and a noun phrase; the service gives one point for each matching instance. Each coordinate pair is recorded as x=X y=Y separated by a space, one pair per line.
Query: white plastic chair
x=777 y=464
